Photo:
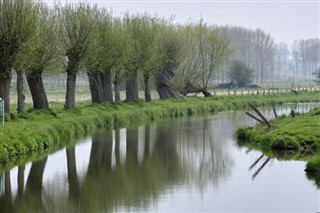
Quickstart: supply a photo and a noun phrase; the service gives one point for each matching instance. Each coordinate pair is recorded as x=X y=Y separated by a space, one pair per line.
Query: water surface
x=181 y=164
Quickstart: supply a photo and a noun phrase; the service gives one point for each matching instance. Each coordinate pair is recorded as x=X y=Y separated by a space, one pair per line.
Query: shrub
x=313 y=166
x=240 y=74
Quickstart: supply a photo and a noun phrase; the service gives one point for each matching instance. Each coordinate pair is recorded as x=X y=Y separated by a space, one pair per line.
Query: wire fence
x=55 y=87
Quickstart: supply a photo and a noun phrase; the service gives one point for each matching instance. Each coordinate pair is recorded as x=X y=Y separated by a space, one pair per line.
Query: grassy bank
x=36 y=133
x=289 y=137
x=288 y=133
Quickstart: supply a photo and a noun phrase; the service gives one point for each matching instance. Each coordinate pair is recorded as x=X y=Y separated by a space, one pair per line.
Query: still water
x=182 y=164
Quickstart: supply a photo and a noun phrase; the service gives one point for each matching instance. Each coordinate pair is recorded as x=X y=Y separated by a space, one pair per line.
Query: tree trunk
x=117 y=92
x=6 y=198
x=96 y=89
x=34 y=181
x=132 y=145
x=74 y=185
x=21 y=170
x=117 y=147
x=147 y=142
x=71 y=90
x=5 y=81
x=38 y=93
x=20 y=91
x=101 y=152
x=147 y=93
x=106 y=79
x=34 y=186
x=132 y=93
x=206 y=93
x=164 y=83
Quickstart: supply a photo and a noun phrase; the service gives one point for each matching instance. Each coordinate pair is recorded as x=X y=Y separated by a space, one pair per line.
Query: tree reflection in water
x=74 y=184
x=132 y=168
x=153 y=159
x=203 y=149
x=28 y=199
x=6 y=204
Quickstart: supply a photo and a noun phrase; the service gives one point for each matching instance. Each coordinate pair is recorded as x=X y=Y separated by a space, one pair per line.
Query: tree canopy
x=137 y=51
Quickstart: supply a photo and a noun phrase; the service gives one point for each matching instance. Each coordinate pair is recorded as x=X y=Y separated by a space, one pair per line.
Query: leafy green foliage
x=142 y=43
x=17 y=23
x=205 y=53
x=317 y=76
x=42 y=52
x=76 y=26
x=313 y=166
x=240 y=74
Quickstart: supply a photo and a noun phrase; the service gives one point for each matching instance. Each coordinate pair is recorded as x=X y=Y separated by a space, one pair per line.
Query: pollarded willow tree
x=76 y=28
x=170 y=45
x=17 y=23
x=133 y=58
x=94 y=57
x=143 y=52
x=121 y=41
x=40 y=54
x=105 y=53
x=151 y=55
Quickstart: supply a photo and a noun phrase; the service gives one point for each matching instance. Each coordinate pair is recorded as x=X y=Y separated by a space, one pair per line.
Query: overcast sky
x=284 y=20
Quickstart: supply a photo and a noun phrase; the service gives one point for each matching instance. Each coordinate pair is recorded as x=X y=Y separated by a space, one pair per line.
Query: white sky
x=285 y=20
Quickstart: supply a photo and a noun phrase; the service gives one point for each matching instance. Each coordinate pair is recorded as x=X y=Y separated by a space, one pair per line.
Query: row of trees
x=111 y=50
x=306 y=55
x=36 y=39
x=255 y=48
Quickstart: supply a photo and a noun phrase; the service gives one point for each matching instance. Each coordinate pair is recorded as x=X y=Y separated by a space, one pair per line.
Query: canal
x=180 y=164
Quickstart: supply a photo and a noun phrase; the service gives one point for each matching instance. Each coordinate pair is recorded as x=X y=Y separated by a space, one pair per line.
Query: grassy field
x=283 y=85
x=55 y=87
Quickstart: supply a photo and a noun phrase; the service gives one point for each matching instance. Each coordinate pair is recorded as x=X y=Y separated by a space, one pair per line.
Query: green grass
x=287 y=84
x=298 y=133
x=39 y=132
x=295 y=138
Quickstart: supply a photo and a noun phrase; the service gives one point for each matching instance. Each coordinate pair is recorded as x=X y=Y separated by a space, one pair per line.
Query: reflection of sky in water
x=216 y=174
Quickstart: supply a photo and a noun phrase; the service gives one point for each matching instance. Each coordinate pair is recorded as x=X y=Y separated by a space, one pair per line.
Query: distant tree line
x=306 y=55
x=271 y=60
x=255 y=48
x=135 y=50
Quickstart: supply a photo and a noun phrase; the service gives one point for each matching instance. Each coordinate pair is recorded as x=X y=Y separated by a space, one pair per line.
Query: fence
x=55 y=87
x=264 y=91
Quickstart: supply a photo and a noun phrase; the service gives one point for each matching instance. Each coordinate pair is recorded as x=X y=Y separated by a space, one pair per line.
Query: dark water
x=183 y=164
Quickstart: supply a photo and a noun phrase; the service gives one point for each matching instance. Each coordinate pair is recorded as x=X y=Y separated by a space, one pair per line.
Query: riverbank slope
x=295 y=137
x=36 y=133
